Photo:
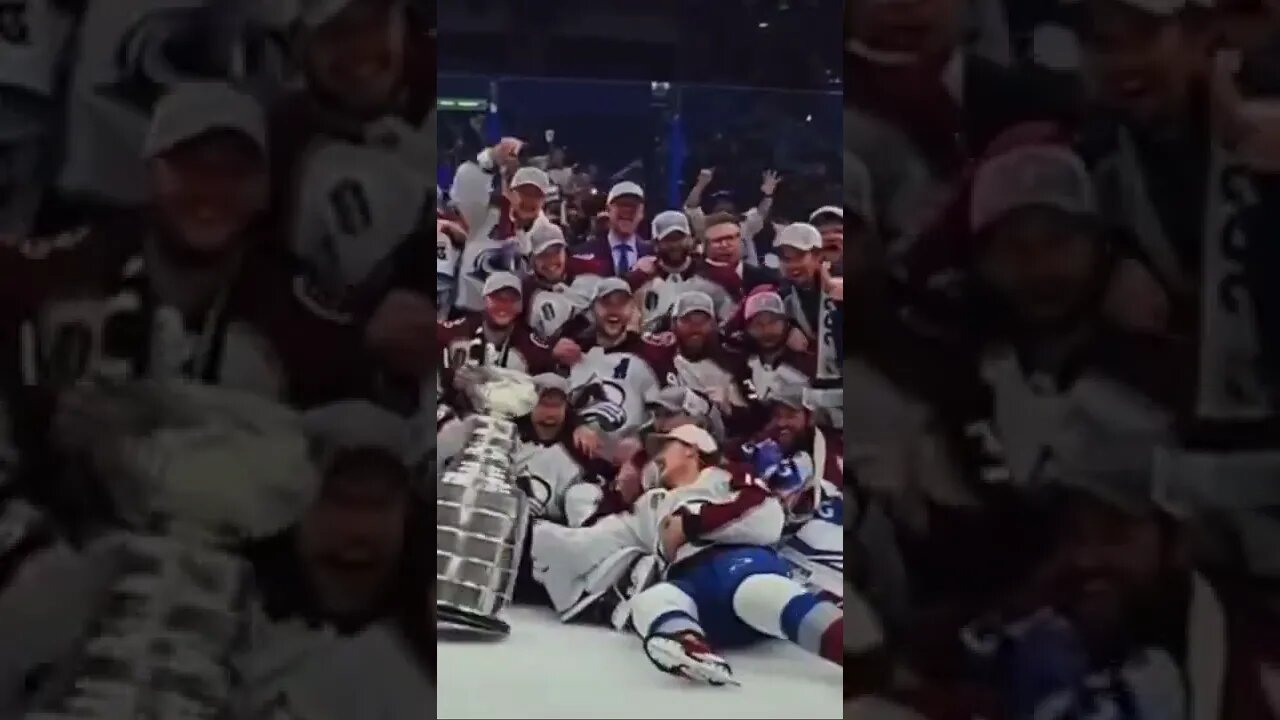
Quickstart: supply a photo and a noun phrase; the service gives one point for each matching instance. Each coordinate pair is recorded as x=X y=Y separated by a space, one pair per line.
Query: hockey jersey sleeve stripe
x=712 y=517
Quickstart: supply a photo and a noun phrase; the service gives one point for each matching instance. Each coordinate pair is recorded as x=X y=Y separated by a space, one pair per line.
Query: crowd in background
x=1061 y=375
x=214 y=318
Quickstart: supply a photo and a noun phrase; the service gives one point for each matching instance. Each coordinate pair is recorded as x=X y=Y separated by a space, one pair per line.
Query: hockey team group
x=684 y=456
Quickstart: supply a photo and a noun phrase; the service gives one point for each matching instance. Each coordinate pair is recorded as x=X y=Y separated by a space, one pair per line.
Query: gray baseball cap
x=357 y=425
x=669 y=221
x=693 y=301
x=502 y=281
x=546 y=235
x=1031 y=176
x=550 y=381
x=531 y=176
x=193 y=109
x=789 y=394
x=612 y=285
x=678 y=399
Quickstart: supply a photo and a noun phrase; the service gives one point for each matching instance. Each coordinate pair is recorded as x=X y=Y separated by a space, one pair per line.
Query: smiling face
x=1139 y=64
x=612 y=313
x=351 y=540
x=502 y=307
x=356 y=58
x=1113 y=565
x=625 y=214
x=209 y=189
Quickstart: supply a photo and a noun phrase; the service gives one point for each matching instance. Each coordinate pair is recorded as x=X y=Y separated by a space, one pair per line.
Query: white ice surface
x=546 y=669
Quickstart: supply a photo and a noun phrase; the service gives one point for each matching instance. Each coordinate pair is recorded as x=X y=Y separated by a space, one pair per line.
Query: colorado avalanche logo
x=506 y=258
x=176 y=45
x=537 y=489
x=603 y=402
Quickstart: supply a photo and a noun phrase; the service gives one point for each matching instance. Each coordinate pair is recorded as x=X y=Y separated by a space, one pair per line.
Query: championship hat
x=193 y=109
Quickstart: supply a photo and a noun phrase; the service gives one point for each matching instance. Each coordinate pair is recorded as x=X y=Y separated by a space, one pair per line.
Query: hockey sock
x=780 y=607
x=665 y=609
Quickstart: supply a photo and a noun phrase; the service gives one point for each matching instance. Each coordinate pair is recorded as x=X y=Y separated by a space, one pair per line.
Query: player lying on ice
x=724 y=583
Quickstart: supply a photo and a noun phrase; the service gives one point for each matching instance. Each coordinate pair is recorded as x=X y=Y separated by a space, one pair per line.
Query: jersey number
x=620 y=372
x=351 y=207
x=14 y=26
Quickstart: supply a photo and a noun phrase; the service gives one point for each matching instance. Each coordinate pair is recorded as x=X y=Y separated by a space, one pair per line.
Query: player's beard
x=701 y=352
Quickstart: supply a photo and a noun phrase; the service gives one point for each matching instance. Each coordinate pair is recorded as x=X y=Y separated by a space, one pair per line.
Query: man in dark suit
x=615 y=254
x=724 y=248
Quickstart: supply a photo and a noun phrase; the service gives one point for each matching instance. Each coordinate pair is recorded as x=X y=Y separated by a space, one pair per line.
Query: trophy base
x=460 y=624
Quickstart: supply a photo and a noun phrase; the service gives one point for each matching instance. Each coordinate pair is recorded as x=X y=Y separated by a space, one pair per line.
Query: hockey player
x=615 y=370
x=498 y=229
x=186 y=289
x=724 y=585
x=702 y=362
x=659 y=279
x=560 y=481
x=770 y=362
x=350 y=150
x=496 y=336
x=809 y=299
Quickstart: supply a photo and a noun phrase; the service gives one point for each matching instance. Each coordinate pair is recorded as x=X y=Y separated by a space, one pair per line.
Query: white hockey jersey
x=550 y=475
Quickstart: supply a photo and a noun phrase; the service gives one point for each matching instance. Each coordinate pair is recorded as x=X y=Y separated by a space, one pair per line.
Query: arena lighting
x=764 y=25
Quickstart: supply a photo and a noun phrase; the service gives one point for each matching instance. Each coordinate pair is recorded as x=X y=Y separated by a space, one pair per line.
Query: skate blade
x=673 y=659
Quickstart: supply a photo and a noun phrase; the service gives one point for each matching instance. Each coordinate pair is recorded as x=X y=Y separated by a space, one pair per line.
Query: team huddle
x=683 y=458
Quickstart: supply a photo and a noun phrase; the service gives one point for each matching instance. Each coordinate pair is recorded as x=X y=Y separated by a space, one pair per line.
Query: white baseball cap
x=690 y=435
x=546 y=235
x=190 y=110
x=624 y=189
x=502 y=281
x=531 y=176
x=801 y=236
x=826 y=211
x=764 y=302
x=669 y=221
x=1030 y=176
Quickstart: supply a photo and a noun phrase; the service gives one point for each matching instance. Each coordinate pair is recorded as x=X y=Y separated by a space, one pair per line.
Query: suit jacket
x=595 y=257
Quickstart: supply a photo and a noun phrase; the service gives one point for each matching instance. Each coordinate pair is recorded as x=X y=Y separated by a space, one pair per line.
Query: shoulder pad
x=661 y=339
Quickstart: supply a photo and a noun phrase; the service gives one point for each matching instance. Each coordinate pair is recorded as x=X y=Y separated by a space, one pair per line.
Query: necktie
x=624 y=259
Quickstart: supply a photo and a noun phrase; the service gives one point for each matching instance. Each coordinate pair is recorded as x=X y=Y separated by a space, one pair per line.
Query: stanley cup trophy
x=481 y=515
x=194 y=473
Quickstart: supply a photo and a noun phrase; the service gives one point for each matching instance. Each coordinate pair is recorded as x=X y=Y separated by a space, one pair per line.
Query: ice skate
x=689 y=656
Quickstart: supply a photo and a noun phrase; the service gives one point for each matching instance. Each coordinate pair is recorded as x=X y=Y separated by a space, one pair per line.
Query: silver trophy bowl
x=482 y=517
